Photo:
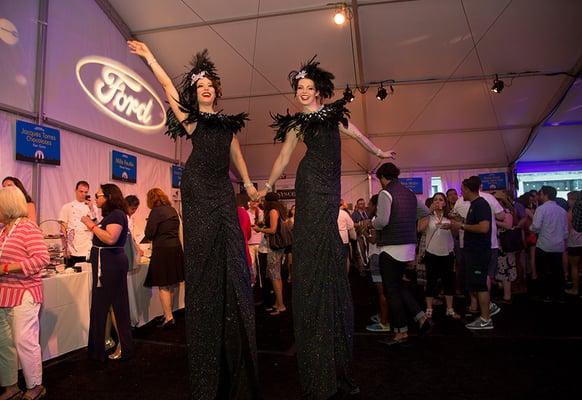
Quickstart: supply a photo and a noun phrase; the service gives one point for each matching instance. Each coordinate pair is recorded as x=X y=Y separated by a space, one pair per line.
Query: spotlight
x=348 y=95
x=382 y=93
x=498 y=85
x=340 y=17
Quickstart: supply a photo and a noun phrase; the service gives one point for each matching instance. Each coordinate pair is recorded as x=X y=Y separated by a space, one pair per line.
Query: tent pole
x=39 y=94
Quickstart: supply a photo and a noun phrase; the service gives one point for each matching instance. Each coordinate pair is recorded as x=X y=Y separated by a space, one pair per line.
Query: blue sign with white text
x=177 y=176
x=39 y=144
x=414 y=184
x=123 y=167
x=493 y=181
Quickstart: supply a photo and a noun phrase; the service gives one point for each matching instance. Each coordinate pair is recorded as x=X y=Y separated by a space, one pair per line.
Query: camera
x=88 y=197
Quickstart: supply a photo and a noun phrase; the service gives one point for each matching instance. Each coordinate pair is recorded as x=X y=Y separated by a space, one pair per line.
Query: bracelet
x=248 y=185
x=93 y=227
x=268 y=187
x=5 y=269
x=152 y=61
x=378 y=152
x=463 y=227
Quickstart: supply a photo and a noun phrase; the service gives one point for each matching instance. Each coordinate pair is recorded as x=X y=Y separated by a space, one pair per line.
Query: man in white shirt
x=345 y=225
x=79 y=237
x=550 y=222
x=462 y=208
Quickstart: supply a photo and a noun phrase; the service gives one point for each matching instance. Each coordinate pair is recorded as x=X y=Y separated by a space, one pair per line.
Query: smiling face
x=306 y=93
x=205 y=92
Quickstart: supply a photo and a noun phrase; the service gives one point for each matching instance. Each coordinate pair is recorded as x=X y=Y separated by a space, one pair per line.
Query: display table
x=144 y=303
x=64 y=315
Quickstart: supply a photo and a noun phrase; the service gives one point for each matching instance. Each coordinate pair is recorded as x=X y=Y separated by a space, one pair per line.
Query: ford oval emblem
x=120 y=93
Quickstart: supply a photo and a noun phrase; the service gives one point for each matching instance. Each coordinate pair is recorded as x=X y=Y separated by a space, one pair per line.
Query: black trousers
x=550 y=273
x=401 y=302
x=112 y=293
x=439 y=267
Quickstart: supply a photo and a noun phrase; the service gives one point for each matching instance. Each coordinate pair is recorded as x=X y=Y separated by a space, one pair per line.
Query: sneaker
x=494 y=309
x=378 y=327
x=375 y=318
x=480 y=324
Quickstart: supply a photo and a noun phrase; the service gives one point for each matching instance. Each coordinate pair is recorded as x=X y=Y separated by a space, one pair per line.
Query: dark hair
x=81 y=183
x=115 y=200
x=132 y=200
x=473 y=183
x=451 y=190
x=360 y=199
x=272 y=203
x=374 y=199
x=428 y=202
x=19 y=185
x=322 y=79
x=187 y=89
x=388 y=171
x=549 y=191
x=291 y=212
x=525 y=200
x=446 y=209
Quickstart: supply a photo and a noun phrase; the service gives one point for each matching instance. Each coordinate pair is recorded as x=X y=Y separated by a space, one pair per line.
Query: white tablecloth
x=144 y=303
x=64 y=315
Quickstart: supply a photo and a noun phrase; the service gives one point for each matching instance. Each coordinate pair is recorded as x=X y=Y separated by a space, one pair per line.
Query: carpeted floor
x=534 y=352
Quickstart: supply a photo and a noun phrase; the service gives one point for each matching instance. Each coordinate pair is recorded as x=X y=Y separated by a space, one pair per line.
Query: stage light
x=340 y=17
x=348 y=95
x=382 y=93
x=498 y=85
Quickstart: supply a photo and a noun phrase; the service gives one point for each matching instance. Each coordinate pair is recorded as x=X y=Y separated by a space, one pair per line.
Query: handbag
x=283 y=237
x=511 y=240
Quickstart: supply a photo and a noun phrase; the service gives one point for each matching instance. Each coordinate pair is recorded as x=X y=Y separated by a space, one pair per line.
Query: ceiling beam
x=115 y=18
x=428 y=81
x=252 y=17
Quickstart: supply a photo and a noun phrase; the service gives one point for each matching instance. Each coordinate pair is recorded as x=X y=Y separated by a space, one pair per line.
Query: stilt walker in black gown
x=322 y=303
x=220 y=326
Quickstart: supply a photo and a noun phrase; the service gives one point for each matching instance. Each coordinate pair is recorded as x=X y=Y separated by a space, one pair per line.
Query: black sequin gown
x=322 y=302
x=220 y=326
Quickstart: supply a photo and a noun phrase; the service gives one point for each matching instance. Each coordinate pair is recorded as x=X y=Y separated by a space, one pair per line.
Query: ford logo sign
x=121 y=94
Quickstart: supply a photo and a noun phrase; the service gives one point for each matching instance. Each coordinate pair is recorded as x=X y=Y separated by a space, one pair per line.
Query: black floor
x=534 y=352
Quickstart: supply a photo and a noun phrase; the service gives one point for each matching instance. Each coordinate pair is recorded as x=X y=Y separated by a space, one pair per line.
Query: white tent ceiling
x=451 y=121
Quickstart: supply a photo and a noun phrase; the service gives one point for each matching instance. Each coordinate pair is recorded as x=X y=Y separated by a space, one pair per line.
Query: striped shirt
x=25 y=246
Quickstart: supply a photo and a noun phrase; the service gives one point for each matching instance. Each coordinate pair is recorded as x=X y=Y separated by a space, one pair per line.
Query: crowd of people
x=467 y=244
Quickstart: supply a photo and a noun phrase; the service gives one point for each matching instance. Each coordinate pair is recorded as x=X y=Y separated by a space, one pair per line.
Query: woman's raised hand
x=139 y=48
x=387 y=154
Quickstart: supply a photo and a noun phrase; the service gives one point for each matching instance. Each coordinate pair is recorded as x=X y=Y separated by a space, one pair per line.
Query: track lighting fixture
x=382 y=93
x=348 y=95
x=498 y=85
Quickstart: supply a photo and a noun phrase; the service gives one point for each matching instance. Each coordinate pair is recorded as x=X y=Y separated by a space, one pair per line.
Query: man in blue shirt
x=476 y=249
x=551 y=224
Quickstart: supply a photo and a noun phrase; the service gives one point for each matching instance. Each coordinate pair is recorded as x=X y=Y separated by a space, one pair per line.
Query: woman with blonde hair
x=166 y=268
x=23 y=254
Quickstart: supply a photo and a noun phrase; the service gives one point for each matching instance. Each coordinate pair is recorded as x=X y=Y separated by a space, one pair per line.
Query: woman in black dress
x=322 y=305
x=110 y=267
x=166 y=268
x=220 y=325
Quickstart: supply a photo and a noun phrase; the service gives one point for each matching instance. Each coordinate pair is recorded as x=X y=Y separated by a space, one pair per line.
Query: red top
x=24 y=245
x=245 y=225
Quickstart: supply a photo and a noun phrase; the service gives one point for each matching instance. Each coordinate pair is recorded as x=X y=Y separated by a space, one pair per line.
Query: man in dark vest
x=395 y=224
